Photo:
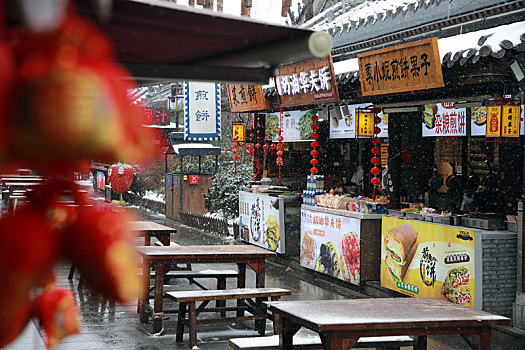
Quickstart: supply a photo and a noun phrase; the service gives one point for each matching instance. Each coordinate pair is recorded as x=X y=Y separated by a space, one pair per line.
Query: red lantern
x=257 y=146
x=313 y=170
x=375 y=181
x=315 y=118
x=375 y=171
x=315 y=136
x=376 y=140
x=376 y=161
x=315 y=127
x=314 y=144
x=314 y=161
x=376 y=150
x=280 y=153
x=314 y=153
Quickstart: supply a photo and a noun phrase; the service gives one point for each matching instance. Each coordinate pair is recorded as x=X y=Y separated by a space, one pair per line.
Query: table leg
x=180 y=322
x=287 y=329
x=164 y=238
x=147 y=239
x=420 y=342
x=479 y=340
x=241 y=283
x=144 y=295
x=192 y=326
x=159 y=291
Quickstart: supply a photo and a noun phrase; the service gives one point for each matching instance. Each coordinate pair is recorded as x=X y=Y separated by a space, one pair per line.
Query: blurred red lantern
x=315 y=136
x=376 y=140
x=375 y=181
x=314 y=161
x=375 y=161
x=314 y=153
x=313 y=170
x=280 y=153
x=314 y=144
x=315 y=127
x=375 y=171
x=376 y=150
x=315 y=118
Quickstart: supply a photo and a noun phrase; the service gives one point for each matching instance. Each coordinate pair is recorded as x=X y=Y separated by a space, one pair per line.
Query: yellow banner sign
x=428 y=260
x=511 y=121
x=493 y=121
x=408 y=67
x=365 y=124
x=239 y=131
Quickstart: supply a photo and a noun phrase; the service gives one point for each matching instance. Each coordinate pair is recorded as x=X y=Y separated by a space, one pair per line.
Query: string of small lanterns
x=376 y=151
x=315 y=144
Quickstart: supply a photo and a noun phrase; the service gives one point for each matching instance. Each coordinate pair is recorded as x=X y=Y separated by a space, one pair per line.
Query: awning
x=196 y=149
x=162 y=40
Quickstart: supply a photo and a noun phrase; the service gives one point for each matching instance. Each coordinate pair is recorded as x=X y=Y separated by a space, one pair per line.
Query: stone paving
x=107 y=325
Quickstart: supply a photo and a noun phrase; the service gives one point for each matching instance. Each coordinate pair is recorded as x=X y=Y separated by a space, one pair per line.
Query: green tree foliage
x=224 y=191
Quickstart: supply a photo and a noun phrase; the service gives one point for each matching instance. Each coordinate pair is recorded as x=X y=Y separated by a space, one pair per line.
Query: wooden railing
x=205 y=223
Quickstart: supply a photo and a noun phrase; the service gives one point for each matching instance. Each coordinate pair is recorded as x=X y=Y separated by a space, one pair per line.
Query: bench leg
x=180 y=322
x=192 y=324
x=420 y=342
x=260 y=325
x=221 y=284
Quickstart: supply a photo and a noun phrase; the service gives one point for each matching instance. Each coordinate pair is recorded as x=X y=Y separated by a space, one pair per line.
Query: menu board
x=330 y=244
x=295 y=126
x=478 y=121
x=343 y=124
x=262 y=221
x=442 y=119
x=428 y=260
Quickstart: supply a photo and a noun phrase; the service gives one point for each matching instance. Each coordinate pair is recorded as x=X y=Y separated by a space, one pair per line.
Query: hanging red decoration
x=235 y=149
x=265 y=147
x=273 y=147
x=314 y=153
x=375 y=151
x=257 y=146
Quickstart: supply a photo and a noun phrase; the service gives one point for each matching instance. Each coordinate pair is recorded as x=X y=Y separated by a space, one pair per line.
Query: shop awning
x=196 y=149
x=162 y=40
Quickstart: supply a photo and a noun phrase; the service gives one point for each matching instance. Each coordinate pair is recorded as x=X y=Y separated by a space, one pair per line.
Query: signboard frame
x=252 y=98
x=375 y=65
x=206 y=104
x=312 y=97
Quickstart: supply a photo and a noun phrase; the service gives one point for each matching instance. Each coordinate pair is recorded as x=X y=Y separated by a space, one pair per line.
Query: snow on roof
x=169 y=126
x=370 y=11
x=194 y=146
x=493 y=40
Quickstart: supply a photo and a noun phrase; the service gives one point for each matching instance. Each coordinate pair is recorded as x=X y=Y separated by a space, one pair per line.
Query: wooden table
x=152 y=229
x=158 y=257
x=340 y=323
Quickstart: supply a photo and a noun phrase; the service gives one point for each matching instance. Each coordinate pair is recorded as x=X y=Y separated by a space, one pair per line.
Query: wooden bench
x=190 y=275
x=313 y=341
x=187 y=299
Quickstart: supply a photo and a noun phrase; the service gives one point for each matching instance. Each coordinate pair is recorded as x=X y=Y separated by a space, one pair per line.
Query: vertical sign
x=511 y=121
x=238 y=129
x=246 y=98
x=202 y=111
x=493 y=121
x=365 y=123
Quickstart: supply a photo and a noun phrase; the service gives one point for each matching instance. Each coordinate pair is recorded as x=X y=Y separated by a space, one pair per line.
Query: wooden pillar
x=395 y=127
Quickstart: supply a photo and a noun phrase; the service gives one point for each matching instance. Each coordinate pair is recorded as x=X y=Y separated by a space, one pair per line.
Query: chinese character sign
x=245 y=98
x=157 y=113
x=503 y=118
x=238 y=129
x=307 y=82
x=408 y=67
x=260 y=222
x=429 y=260
x=202 y=111
x=331 y=244
x=479 y=116
x=365 y=122
x=442 y=119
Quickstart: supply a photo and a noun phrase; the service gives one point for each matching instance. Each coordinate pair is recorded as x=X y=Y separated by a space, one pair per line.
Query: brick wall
x=499 y=263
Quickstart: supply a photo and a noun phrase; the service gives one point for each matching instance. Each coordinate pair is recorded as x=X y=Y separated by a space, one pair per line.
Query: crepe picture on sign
x=273 y=233
x=455 y=287
x=400 y=244
x=308 y=251
x=479 y=115
x=350 y=257
x=328 y=261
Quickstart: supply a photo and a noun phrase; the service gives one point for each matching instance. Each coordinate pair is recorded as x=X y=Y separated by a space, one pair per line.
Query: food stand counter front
x=341 y=243
x=468 y=266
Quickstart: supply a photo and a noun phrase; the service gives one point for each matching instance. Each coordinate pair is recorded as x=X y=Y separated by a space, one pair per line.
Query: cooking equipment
x=436 y=181
x=485 y=221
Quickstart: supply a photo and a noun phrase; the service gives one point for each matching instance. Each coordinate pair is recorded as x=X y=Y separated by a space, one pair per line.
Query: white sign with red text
x=442 y=119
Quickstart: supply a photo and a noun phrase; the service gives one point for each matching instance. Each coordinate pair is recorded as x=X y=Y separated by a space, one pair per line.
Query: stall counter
x=341 y=243
x=463 y=265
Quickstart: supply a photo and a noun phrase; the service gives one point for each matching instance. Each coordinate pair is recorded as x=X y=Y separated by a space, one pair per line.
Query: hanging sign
x=307 y=82
x=442 y=119
x=343 y=122
x=408 y=67
x=365 y=122
x=238 y=129
x=503 y=118
x=245 y=98
x=202 y=111
x=478 y=122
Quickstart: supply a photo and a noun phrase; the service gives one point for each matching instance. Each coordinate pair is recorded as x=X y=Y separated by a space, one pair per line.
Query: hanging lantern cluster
x=315 y=144
x=376 y=161
x=280 y=149
x=235 y=149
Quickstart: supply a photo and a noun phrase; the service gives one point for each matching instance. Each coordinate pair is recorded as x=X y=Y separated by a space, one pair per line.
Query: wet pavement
x=106 y=325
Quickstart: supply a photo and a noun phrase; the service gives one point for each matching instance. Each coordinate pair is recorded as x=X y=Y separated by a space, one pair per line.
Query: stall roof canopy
x=162 y=40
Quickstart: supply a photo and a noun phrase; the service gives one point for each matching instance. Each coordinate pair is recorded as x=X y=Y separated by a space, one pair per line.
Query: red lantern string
x=314 y=153
x=375 y=151
x=280 y=145
x=235 y=149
